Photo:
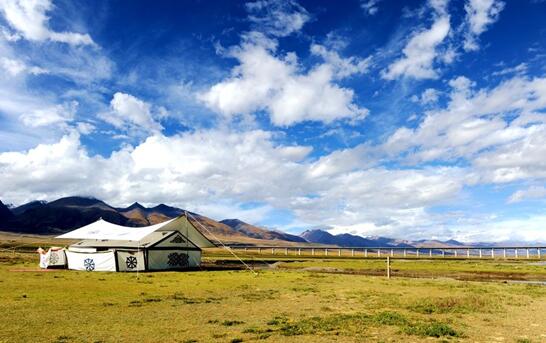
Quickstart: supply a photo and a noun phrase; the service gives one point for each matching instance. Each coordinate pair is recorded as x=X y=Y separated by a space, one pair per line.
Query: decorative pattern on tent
x=89 y=264
x=131 y=262
x=178 y=260
x=53 y=259
x=177 y=239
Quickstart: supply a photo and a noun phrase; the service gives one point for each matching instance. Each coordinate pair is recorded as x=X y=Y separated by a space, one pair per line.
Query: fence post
x=388 y=267
x=352 y=252
x=365 y=252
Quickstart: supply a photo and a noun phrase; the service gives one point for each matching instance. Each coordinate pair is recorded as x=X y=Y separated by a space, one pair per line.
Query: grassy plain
x=290 y=303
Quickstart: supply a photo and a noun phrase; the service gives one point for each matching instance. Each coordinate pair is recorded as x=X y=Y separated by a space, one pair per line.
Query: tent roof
x=147 y=241
x=103 y=230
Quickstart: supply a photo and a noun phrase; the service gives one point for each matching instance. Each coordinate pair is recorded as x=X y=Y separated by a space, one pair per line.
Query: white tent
x=174 y=244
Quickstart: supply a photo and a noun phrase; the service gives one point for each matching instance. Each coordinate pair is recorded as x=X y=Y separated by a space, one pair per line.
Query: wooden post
x=405 y=252
x=388 y=267
x=430 y=252
x=480 y=253
x=260 y=251
x=456 y=252
x=467 y=253
x=443 y=253
x=538 y=253
x=392 y=252
x=528 y=256
x=245 y=249
x=353 y=252
x=493 y=253
x=365 y=252
x=299 y=251
x=417 y=253
x=338 y=252
x=286 y=251
x=516 y=252
x=378 y=252
x=313 y=251
x=326 y=252
x=504 y=253
x=273 y=251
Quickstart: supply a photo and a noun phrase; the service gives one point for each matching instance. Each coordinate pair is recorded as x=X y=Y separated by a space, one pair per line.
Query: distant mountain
x=5 y=213
x=347 y=240
x=69 y=213
x=20 y=209
x=260 y=233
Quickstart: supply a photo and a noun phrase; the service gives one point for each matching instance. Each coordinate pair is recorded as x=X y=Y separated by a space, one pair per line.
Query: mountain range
x=65 y=214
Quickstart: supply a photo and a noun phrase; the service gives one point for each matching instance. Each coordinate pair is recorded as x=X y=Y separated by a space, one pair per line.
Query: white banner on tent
x=53 y=258
x=100 y=261
x=130 y=261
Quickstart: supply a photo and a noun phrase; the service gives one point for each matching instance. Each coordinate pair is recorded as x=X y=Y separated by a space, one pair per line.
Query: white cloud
x=519 y=69
x=474 y=122
x=421 y=53
x=428 y=97
x=277 y=17
x=15 y=67
x=370 y=6
x=480 y=14
x=30 y=19
x=343 y=67
x=264 y=81
x=533 y=192
x=215 y=169
x=57 y=114
x=130 y=113
x=216 y=172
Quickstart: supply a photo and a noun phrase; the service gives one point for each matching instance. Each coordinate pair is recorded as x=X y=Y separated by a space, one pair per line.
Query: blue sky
x=421 y=119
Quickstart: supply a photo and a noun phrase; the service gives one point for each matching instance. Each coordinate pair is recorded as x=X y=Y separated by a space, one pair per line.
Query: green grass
x=278 y=305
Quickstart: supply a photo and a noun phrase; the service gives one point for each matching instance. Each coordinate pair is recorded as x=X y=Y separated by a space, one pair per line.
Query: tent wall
x=101 y=261
x=173 y=259
x=130 y=261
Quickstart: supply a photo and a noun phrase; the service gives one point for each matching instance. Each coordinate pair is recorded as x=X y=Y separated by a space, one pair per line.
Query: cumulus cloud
x=130 y=113
x=474 y=123
x=263 y=80
x=428 y=97
x=480 y=14
x=212 y=170
x=30 y=19
x=421 y=51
